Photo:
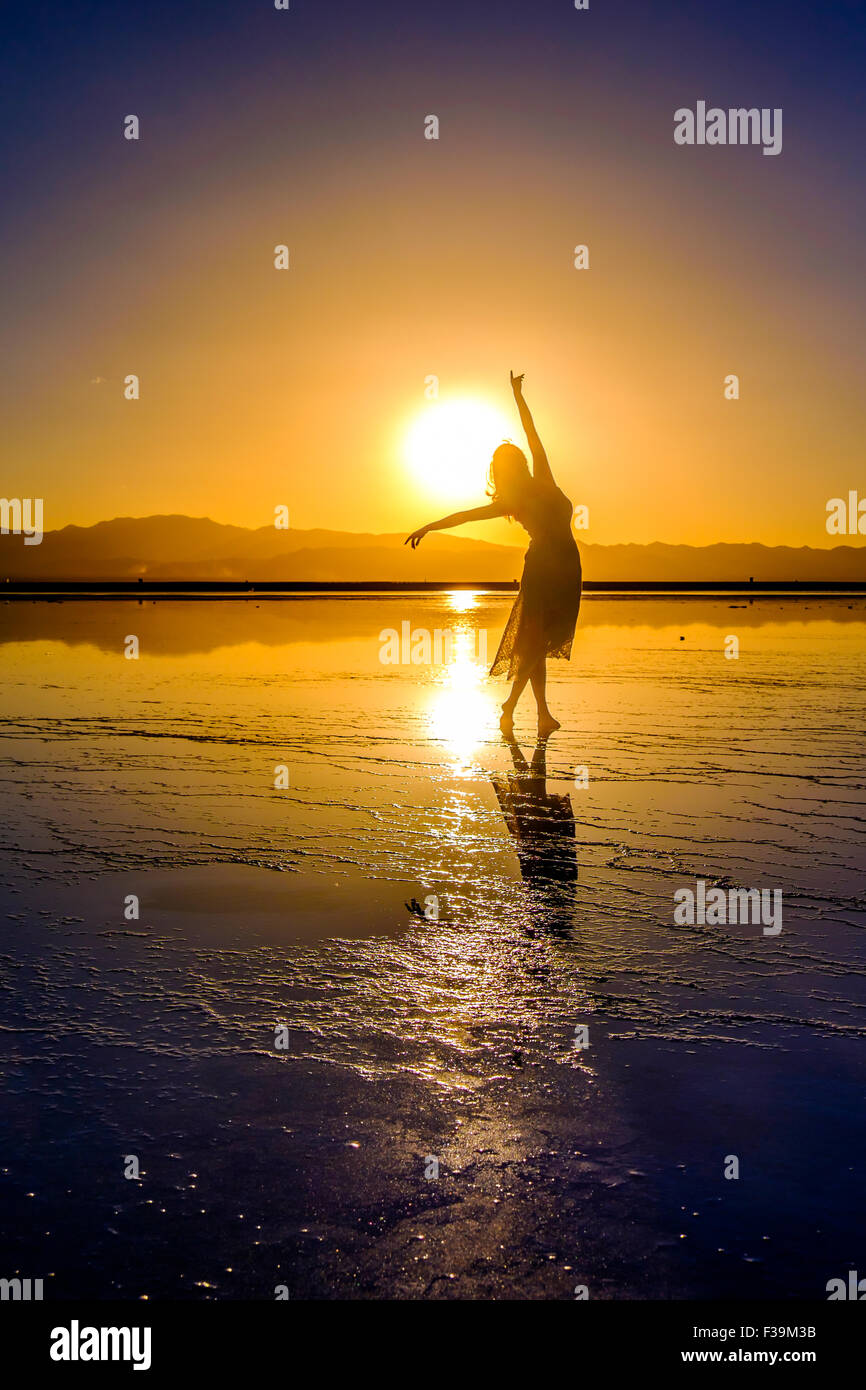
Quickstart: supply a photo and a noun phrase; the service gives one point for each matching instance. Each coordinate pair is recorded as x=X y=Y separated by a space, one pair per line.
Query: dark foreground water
x=449 y=1041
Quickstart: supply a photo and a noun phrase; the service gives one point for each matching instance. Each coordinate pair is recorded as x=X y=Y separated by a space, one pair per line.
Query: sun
x=448 y=446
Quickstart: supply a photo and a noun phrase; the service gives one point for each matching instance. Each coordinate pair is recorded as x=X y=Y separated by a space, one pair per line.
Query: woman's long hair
x=508 y=476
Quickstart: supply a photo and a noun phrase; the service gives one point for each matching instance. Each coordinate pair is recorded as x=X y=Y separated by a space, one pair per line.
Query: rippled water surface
x=542 y=883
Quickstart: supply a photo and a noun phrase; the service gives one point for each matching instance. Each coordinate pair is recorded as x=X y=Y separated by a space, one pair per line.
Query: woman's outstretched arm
x=540 y=466
x=456 y=519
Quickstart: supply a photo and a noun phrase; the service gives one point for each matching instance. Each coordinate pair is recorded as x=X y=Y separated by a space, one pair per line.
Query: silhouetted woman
x=544 y=615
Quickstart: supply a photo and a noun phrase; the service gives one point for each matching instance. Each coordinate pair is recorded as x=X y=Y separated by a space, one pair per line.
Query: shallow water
x=411 y=1039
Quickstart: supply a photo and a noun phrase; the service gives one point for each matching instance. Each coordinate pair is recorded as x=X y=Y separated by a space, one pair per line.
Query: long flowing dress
x=544 y=615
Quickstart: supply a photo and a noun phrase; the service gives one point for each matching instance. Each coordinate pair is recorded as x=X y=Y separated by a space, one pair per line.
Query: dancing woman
x=542 y=621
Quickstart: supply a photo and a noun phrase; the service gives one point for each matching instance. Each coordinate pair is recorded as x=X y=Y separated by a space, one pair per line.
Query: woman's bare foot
x=506 y=723
x=547 y=724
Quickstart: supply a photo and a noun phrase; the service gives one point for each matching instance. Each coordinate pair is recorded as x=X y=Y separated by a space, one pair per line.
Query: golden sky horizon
x=411 y=258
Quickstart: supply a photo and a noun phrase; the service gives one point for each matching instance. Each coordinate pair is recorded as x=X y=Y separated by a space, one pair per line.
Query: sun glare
x=461 y=711
x=448 y=446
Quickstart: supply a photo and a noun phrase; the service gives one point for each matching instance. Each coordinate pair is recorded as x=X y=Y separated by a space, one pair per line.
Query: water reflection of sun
x=462 y=601
x=461 y=712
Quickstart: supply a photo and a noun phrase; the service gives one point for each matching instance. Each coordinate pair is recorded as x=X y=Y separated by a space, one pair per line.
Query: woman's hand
x=516 y=384
x=416 y=538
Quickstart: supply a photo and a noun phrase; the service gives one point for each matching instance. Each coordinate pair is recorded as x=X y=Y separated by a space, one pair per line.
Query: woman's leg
x=506 y=723
x=538 y=676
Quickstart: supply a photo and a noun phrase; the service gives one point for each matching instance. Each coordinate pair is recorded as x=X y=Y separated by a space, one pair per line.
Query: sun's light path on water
x=462 y=601
x=462 y=712
x=449 y=444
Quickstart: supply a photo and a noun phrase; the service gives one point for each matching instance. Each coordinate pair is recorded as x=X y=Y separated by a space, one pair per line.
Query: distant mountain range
x=182 y=547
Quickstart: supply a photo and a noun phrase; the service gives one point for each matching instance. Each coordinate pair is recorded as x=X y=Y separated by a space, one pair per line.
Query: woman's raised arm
x=540 y=466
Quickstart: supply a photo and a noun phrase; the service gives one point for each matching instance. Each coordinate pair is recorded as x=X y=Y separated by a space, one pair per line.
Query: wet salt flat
x=451 y=1036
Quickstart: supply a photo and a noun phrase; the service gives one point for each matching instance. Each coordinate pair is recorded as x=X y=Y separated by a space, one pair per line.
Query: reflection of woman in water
x=542 y=825
x=543 y=618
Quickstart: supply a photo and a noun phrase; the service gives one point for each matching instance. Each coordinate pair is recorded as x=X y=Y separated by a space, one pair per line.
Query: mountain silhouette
x=182 y=547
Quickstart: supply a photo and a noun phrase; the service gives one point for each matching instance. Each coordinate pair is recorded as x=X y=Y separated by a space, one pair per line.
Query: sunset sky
x=412 y=257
